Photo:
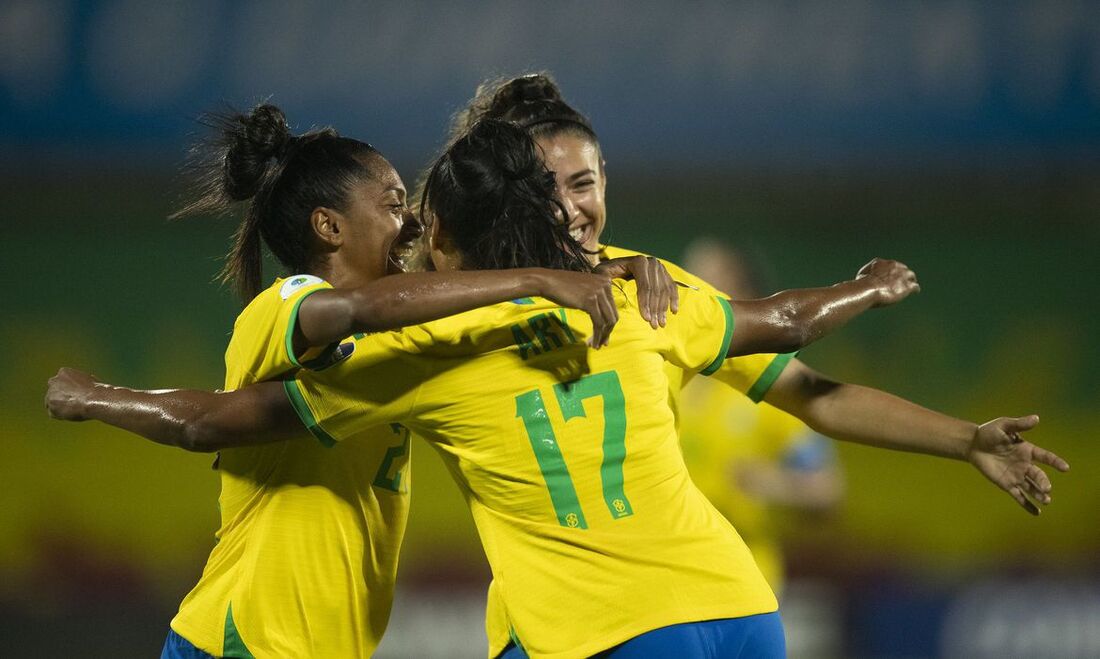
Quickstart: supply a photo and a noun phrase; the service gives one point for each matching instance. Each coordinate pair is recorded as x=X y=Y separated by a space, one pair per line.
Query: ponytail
x=254 y=158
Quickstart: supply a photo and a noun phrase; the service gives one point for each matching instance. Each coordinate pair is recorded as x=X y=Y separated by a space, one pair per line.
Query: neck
x=337 y=273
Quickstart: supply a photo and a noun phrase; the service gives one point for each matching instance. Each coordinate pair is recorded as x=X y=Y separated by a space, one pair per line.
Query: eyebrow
x=395 y=188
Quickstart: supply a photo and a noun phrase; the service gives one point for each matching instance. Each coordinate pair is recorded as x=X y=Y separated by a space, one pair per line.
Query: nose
x=570 y=208
x=410 y=227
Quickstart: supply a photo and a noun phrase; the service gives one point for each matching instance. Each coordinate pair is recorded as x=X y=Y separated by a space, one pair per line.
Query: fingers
x=1048 y=458
x=1035 y=490
x=657 y=305
x=656 y=290
x=599 y=324
x=1017 y=493
x=666 y=291
x=1020 y=424
x=604 y=316
x=647 y=298
x=1038 y=479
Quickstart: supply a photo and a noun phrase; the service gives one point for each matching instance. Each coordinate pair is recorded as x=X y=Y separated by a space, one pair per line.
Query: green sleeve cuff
x=292 y=322
x=298 y=402
x=720 y=358
x=763 y=383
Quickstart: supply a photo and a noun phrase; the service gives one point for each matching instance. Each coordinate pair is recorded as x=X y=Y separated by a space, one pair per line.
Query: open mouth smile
x=404 y=248
x=581 y=233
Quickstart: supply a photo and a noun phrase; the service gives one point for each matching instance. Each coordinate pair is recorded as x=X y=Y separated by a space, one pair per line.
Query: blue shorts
x=178 y=647
x=751 y=637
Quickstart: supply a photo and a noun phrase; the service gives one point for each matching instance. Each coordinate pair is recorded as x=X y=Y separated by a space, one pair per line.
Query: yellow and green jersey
x=749 y=375
x=306 y=554
x=568 y=458
x=723 y=431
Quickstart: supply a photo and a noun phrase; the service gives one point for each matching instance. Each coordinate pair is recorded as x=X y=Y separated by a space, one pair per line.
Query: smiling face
x=579 y=174
x=378 y=230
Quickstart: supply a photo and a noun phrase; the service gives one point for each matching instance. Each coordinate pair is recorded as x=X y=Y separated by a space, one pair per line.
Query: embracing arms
x=784 y=322
x=791 y=320
x=193 y=420
x=402 y=300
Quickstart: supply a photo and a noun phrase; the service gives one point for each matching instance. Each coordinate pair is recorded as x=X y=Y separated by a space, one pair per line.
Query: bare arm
x=790 y=320
x=193 y=420
x=408 y=299
x=869 y=416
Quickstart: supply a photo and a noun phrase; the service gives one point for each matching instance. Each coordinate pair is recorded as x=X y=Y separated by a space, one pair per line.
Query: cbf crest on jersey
x=295 y=282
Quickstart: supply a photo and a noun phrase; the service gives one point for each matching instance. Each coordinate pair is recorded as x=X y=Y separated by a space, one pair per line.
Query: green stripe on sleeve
x=759 y=388
x=721 y=356
x=292 y=322
x=298 y=401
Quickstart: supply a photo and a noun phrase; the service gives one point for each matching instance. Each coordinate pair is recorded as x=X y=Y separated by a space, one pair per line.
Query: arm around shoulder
x=201 y=421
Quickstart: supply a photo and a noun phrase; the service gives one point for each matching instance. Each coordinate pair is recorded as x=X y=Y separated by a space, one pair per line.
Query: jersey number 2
x=571 y=397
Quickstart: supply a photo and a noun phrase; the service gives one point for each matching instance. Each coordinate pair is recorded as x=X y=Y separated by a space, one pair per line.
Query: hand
x=590 y=293
x=998 y=451
x=892 y=281
x=657 y=291
x=67 y=394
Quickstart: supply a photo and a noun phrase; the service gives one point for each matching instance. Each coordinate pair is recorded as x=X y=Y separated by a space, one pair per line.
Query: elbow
x=201 y=435
x=795 y=329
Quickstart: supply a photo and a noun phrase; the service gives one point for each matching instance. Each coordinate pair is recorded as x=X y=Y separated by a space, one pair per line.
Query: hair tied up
x=505 y=142
x=254 y=141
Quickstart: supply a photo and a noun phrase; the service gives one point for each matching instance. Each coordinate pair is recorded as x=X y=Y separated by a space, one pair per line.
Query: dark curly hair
x=496 y=200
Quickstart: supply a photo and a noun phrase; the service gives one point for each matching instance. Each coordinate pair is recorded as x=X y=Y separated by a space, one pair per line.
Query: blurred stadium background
x=962 y=137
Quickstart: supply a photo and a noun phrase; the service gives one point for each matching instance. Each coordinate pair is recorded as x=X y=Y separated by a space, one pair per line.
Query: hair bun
x=530 y=88
x=253 y=142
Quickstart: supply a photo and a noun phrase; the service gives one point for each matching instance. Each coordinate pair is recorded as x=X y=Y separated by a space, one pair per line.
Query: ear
x=327 y=226
x=437 y=239
x=603 y=175
x=441 y=248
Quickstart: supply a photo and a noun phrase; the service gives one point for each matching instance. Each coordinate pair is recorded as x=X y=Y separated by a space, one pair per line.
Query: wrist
x=967 y=441
x=91 y=398
x=869 y=288
x=533 y=282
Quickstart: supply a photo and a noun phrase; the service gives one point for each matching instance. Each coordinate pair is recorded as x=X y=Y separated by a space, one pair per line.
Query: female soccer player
x=597 y=538
x=572 y=151
x=309 y=538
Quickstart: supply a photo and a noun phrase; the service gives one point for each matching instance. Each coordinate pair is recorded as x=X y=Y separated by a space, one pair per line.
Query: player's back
x=571 y=464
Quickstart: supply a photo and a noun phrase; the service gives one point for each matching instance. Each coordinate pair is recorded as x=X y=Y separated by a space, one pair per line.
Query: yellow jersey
x=750 y=375
x=306 y=553
x=568 y=458
x=722 y=431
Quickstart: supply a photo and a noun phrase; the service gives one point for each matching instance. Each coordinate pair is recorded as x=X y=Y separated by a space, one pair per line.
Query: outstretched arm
x=790 y=320
x=401 y=300
x=193 y=420
x=869 y=416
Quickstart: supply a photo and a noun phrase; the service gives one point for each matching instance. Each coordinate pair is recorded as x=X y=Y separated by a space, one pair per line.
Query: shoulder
x=283 y=291
x=678 y=274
